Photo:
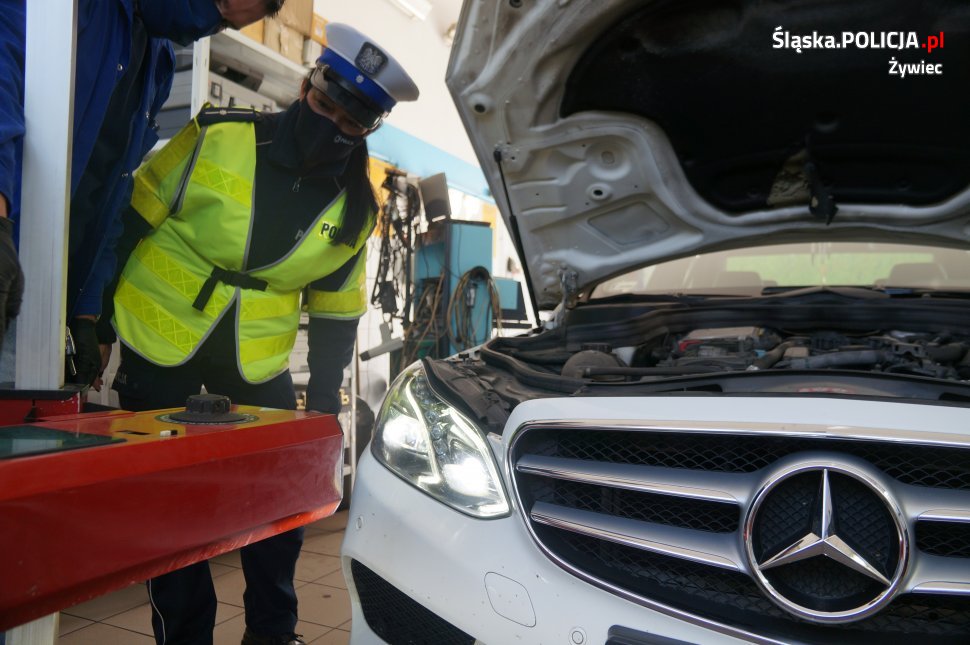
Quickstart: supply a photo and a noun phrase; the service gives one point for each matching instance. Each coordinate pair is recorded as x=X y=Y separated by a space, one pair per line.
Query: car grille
x=396 y=618
x=661 y=509
x=657 y=516
x=733 y=598
x=929 y=466
x=947 y=539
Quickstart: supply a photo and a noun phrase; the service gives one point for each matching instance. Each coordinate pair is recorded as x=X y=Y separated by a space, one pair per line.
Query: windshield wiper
x=925 y=292
x=676 y=297
x=684 y=370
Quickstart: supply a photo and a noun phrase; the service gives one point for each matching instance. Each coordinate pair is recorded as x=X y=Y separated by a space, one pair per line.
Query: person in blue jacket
x=123 y=73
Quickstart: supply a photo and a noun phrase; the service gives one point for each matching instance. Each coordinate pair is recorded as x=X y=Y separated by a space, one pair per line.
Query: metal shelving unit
x=280 y=77
x=257 y=75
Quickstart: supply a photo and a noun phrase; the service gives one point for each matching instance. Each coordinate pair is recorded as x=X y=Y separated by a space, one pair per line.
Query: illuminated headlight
x=431 y=445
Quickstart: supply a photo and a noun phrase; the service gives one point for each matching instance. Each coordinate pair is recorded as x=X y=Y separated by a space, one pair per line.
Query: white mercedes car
x=748 y=419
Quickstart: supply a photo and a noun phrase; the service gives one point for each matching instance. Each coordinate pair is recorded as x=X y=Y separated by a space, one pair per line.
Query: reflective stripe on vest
x=154 y=313
x=155 y=184
x=338 y=304
x=350 y=301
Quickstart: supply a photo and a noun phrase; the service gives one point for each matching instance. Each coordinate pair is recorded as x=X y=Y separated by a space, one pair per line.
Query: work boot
x=250 y=638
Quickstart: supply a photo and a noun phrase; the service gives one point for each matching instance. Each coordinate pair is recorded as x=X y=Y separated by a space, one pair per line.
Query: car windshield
x=752 y=270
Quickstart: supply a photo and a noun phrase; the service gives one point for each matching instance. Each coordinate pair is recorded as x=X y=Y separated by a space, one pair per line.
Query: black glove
x=11 y=277
x=87 y=353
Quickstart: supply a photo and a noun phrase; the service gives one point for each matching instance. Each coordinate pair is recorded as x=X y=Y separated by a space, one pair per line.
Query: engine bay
x=820 y=343
x=759 y=348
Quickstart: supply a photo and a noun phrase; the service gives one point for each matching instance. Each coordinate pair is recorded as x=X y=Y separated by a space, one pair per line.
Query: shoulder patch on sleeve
x=212 y=115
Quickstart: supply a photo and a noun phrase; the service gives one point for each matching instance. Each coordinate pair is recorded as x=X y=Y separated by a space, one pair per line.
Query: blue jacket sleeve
x=12 y=34
x=90 y=301
x=144 y=137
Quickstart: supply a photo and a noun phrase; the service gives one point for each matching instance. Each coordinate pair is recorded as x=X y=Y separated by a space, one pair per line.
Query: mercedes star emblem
x=825 y=542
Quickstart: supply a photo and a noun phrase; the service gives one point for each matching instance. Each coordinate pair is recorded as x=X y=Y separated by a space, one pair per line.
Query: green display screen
x=21 y=441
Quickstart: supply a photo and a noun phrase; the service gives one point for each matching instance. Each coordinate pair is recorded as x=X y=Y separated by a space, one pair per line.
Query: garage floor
x=124 y=617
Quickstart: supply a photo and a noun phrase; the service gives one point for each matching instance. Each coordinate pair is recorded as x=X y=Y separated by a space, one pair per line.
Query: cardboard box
x=311 y=52
x=298 y=15
x=291 y=44
x=284 y=40
x=318 y=29
x=271 y=33
x=254 y=31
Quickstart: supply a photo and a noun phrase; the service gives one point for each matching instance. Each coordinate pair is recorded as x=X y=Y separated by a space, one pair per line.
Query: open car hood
x=620 y=133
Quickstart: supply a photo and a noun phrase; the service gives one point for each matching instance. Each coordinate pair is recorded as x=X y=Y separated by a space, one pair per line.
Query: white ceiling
x=445 y=12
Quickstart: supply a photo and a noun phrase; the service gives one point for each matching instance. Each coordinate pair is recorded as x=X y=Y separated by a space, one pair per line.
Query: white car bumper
x=486 y=577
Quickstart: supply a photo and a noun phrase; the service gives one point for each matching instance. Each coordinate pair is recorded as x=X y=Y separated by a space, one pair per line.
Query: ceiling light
x=414 y=8
x=450 y=34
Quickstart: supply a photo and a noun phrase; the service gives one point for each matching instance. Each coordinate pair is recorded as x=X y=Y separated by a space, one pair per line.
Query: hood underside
x=620 y=133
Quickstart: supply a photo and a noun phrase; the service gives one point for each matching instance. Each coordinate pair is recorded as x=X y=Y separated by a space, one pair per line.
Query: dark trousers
x=184 y=601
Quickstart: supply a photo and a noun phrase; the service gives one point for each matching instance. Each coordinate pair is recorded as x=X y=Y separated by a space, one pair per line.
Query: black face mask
x=320 y=141
x=181 y=21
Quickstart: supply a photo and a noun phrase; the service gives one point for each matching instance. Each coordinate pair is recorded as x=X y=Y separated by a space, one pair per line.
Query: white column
x=45 y=204
x=42 y=631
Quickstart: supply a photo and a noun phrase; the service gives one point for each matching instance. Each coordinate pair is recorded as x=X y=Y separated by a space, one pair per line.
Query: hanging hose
x=461 y=307
x=397 y=225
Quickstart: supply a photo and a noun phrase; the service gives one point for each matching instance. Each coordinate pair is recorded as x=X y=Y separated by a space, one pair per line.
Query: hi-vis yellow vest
x=197 y=193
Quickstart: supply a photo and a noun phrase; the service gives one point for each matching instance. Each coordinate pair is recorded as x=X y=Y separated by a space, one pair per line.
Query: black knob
x=207 y=409
x=207 y=404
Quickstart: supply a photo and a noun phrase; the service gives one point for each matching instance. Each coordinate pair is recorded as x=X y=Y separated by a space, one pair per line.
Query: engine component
x=592 y=355
x=721 y=341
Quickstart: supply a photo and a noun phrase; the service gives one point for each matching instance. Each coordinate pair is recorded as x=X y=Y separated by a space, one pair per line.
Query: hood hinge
x=568 y=279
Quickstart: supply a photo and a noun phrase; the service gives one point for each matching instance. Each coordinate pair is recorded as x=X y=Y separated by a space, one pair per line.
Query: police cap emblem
x=370 y=59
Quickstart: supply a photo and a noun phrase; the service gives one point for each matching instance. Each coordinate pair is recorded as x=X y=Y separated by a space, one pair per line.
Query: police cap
x=360 y=76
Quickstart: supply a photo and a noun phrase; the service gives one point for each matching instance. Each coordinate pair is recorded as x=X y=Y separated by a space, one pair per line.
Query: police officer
x=244 y=212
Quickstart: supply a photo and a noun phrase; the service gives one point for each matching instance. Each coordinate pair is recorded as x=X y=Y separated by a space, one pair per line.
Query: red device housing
x=79 y=523
x=25 y=406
